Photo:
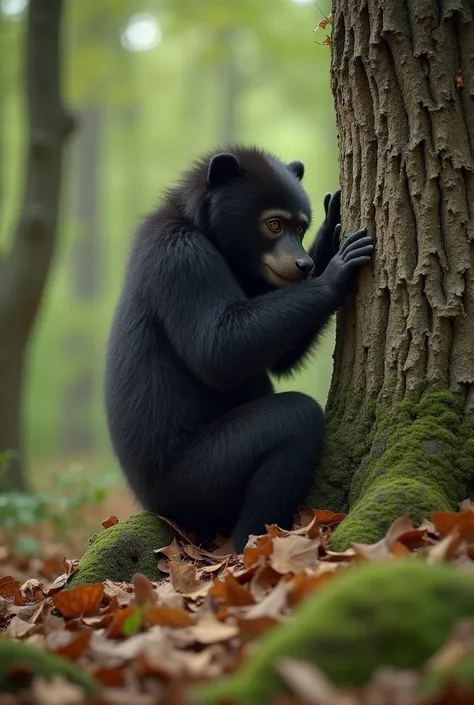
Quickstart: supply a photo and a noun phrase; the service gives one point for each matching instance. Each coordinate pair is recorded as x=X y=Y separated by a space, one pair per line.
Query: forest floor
x=149 y=643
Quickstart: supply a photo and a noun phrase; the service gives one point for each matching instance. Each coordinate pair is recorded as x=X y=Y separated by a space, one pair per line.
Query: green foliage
x=62 y=509
x=382 y=614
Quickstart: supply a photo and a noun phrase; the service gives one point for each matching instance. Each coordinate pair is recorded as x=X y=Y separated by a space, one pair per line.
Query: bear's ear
x=222 y=167
x=296 y=168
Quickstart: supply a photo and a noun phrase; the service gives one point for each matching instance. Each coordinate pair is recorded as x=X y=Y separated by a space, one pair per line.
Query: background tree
x=23 y=272
x=401 y=403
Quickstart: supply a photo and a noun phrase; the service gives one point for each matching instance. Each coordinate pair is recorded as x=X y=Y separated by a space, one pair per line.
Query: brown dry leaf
x=263 y=546
x=444 y=549
x=346 y=556
x=115 y=628
x=327 y=518
x=102 y=648
x=144 y=590
x=17 y=628
x=467 y=505
x=200 y=554
x=148 y=664
x=183 y=577
x=76 y=645
x=446 y=523
x=294 y=553
x=415 y=538
x=216 y=567
x=382 y=550
x=254 y=628
x=232 y=592
x=57 y=691
x=305 y=584
x=307 y=682
x=210 y=631
x=80 y=601
x=173 y=551
x=165 y=617
x=168 y=597
x=399 y=550
x=110 y=676
x=116 y=591
x=10 y=590
x=69 y=568
x=32 y=590
x=110 y=521
x=263 y=581
x=208 y=663
x=272 y=605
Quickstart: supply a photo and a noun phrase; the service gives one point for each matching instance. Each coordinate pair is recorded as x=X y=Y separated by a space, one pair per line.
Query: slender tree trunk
x=401 y=403
x=77 y=399
x=25 y=270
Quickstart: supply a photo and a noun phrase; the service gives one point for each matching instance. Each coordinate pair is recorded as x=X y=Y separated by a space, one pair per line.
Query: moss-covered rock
x=20 y=662
x=393 y=614
x=122 y=550
x=421 y=458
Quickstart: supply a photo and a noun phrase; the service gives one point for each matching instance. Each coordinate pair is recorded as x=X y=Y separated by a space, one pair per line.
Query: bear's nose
x=304 y=265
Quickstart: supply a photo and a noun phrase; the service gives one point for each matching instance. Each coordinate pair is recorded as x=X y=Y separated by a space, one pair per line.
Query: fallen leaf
x=209 y=630
x=183 y=577
x=56 y=691
x=144 y=590
x=446 y=523
x=263 y=548
x=272 y=605
x=80 y=601
x=304 y=584
x=254 y=627
x=111 y=676
x=76 y=645
x=166 y=617
x=18 y=629
x=293 y=553
x=444 y=549
x=32 y=590
x=324 y=516
x=115 y=628
x=110 y=521
x=232 y=592
x=10 y=590
x=307 y=682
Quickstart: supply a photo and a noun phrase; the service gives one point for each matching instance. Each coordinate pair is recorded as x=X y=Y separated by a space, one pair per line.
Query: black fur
x=193 y=418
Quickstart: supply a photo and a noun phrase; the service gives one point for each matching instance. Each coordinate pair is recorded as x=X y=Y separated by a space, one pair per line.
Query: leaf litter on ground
x=148 y=642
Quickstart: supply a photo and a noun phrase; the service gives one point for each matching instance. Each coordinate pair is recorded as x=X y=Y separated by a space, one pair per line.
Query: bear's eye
x=300 y=230
x=274 y=225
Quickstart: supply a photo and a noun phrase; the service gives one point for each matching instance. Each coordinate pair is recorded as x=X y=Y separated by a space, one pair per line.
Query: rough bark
x=401 y=402
x=25 y=269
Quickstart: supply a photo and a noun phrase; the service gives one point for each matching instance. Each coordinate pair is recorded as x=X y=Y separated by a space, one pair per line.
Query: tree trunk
x=24 y=272
x=401 y=404
x=76 y=434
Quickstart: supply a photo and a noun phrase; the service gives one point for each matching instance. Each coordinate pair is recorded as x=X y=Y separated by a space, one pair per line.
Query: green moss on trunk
x=346 y=443
x=387 y=614
x=122 y=550
x=421 y=458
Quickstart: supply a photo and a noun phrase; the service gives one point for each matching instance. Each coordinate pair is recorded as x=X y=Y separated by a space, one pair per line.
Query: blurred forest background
x=153 y=84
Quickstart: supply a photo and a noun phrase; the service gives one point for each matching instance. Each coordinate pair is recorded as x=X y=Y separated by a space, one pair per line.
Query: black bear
x=218 y=293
